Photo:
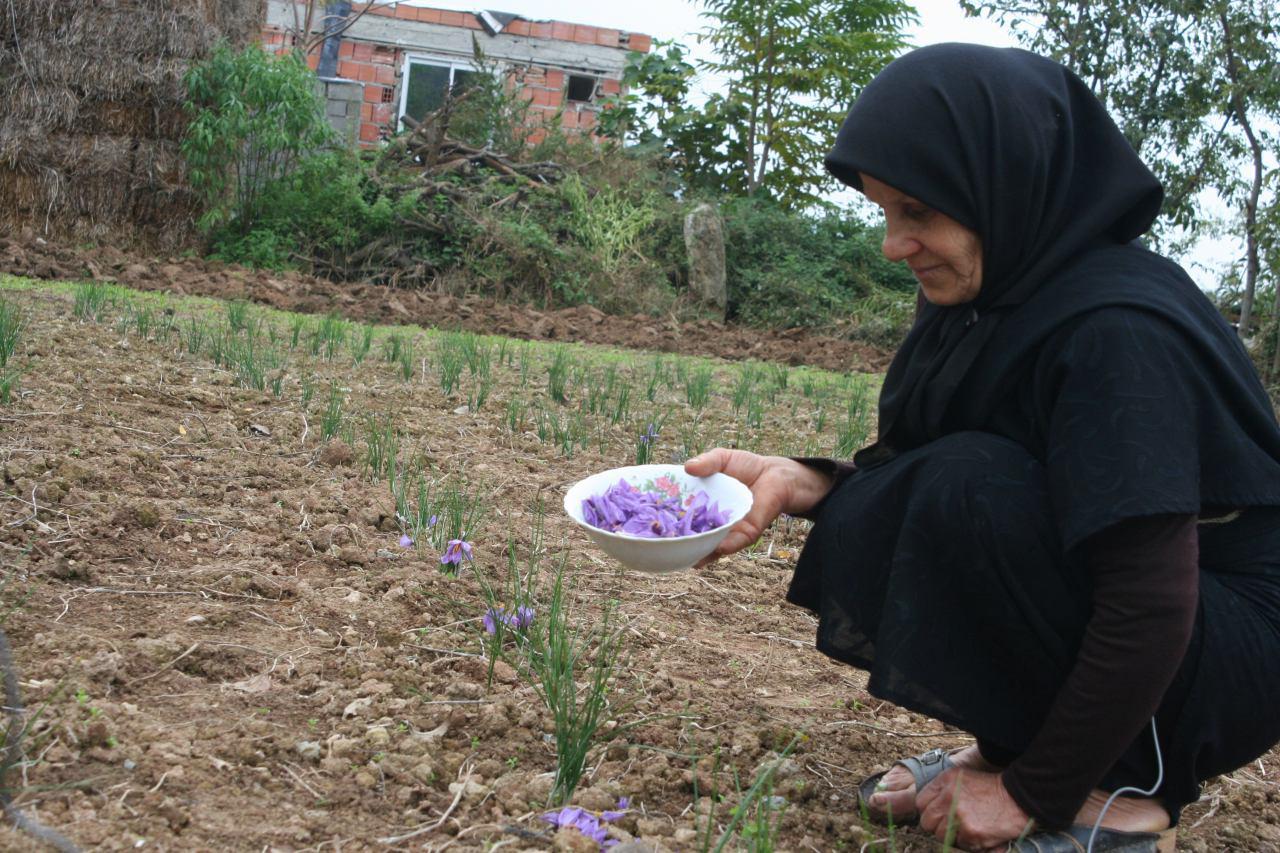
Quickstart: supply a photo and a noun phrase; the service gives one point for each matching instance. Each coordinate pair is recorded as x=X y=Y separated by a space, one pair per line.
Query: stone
x=308 y=749
x=704 y=245
x=569 y=840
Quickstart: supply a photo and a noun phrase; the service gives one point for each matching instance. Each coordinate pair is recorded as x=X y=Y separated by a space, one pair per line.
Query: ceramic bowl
x=660 y=555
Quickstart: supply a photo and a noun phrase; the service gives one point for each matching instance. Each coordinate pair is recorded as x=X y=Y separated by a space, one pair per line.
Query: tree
x=253 y=117
x=1192 y=84
x=794 y=67
x=654 y=115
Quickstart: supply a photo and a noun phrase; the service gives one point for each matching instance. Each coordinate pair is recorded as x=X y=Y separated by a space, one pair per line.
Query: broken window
x=581 y=87
x=428 y=80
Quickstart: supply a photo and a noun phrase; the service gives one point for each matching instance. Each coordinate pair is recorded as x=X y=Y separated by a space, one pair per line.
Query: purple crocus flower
x=495 y=616
x=583 y=821
x=650 y=435
x=406 y=541
x=492 y=618
x=456 y=551
x=616 y=814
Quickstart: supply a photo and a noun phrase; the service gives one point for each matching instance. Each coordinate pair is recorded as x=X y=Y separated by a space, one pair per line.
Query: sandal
x=924 y=769
x=1076 y=840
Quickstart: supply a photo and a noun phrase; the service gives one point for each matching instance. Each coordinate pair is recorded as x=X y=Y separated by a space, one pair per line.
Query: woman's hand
x=777 y=485
x=975 y=806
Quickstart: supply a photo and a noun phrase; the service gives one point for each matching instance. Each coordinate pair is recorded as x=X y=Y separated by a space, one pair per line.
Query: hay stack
x=90 y=133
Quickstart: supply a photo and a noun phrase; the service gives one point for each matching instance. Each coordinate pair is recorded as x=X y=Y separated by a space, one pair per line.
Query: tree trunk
x=1251 y=205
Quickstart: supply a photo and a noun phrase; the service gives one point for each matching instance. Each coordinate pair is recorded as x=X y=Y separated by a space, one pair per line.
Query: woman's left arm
x=1145 y=592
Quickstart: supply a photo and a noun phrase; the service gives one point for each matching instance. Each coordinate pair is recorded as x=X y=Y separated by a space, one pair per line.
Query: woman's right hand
x=777 y=484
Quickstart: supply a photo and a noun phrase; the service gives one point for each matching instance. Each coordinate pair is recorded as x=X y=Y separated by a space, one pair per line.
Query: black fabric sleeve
x=1145 y=592
x=1126 y=424
x=836 y=470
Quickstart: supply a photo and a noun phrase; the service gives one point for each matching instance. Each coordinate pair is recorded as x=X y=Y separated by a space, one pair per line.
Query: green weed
x=11 y=325
x=382 y=443
x=558 y=374
x=698 y=386
x=331 y=419
x=91 y=301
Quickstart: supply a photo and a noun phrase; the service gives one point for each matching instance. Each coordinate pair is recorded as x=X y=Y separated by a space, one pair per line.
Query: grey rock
x=704 y=244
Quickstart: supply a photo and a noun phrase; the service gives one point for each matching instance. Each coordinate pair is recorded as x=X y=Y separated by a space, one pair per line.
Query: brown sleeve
x=1145 y=592
x=836 y=470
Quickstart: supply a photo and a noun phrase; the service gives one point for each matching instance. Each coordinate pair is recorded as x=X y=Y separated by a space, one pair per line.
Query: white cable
x=1155 y=738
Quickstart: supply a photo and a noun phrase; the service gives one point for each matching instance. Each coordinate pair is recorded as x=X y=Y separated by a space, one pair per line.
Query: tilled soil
x=225 y=647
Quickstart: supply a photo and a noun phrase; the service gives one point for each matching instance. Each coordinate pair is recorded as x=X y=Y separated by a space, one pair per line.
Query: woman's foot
x=1128 y=814
x=896 y=793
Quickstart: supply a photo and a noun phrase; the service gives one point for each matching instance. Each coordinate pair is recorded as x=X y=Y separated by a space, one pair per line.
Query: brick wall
x=378 y=67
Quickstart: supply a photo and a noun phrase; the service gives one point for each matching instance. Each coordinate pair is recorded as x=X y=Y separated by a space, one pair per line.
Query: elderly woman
x=1066 y=540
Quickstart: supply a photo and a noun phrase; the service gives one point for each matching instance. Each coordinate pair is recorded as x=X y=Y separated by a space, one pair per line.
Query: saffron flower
x=650 y=435
x=495 y=616
x=652 y=513
x=616 y=814
x=583 y=821
x=406 y=541
x=456 y=551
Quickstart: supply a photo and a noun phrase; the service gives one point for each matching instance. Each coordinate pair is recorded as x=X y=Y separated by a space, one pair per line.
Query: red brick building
x=400 y=59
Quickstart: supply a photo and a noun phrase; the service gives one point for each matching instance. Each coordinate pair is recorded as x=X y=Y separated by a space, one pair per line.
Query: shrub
x=794 y=269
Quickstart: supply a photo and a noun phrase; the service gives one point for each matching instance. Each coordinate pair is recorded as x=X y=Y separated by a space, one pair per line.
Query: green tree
x=253 y=116
x=794 y=66
x=654 y=115
x=1192 y=84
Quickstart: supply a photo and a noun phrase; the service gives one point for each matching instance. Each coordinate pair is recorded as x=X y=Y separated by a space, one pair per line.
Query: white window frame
x=452 y=63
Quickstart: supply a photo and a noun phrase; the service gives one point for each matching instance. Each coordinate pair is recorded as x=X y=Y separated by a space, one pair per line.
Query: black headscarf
x=1016 y=148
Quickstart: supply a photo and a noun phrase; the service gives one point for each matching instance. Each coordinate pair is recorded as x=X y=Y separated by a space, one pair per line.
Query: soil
x=225 y=647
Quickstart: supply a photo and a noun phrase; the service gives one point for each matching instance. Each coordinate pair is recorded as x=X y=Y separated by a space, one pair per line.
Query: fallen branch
x=13 y=754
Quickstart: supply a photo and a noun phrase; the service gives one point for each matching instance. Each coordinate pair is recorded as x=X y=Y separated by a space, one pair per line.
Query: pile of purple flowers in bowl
x=655 y=512
x=656 y=518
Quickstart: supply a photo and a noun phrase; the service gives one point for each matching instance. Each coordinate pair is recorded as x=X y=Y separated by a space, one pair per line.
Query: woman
x=1066 y=539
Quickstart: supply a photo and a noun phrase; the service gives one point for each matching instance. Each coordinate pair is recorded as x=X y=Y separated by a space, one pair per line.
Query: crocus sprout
x=406 y=541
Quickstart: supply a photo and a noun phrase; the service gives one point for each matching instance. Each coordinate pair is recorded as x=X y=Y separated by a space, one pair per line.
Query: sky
x=940 y=21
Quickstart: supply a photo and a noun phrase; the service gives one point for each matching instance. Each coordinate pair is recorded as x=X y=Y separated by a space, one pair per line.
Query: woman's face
x=944 y=256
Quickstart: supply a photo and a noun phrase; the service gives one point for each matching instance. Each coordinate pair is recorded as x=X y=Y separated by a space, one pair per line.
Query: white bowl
x=660 y=555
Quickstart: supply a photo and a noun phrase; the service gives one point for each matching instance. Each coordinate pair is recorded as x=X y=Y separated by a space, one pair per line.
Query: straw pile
x=90 y=132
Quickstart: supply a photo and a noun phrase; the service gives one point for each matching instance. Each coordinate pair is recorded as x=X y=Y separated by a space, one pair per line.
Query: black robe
x=1089 y=383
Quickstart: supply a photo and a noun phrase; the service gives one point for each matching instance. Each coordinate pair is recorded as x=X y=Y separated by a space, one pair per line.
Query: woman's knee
x=980 y=460
x=984 y=482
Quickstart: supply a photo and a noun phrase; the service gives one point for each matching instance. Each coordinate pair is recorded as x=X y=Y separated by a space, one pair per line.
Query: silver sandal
x=924 y=769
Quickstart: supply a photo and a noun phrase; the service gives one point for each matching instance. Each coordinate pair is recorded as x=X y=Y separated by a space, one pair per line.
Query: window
x=425 y=82
x=581 y=88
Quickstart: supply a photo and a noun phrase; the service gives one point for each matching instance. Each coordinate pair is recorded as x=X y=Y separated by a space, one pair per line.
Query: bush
x=331 y=215
x=794 y=269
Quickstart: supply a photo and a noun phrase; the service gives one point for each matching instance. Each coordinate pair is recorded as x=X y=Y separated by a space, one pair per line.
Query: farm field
x=225 y=593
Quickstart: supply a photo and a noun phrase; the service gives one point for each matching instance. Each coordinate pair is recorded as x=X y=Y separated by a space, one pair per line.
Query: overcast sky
x=940 y=21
